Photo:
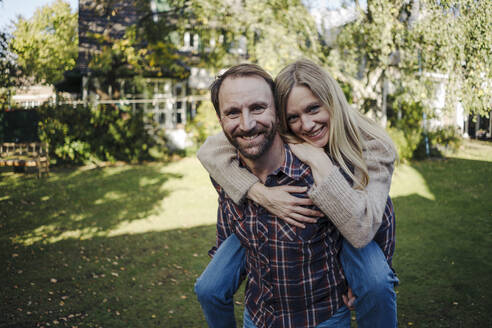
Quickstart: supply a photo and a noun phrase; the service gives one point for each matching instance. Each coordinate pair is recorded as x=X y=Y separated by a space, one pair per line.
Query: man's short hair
x=238 y=71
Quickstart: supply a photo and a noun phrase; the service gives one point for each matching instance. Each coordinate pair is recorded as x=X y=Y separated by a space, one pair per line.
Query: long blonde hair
x=345 y=143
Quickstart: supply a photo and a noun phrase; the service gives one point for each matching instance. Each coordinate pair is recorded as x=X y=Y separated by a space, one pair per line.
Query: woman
x=351 y=159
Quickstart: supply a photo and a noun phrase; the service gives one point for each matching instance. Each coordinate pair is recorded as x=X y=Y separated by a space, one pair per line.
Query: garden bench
x=32 y=154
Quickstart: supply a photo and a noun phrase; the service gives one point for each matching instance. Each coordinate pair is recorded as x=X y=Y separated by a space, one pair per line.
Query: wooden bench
x=33 y=154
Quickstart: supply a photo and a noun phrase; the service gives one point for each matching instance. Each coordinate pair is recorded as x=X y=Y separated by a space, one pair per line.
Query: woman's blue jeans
x=366 y=270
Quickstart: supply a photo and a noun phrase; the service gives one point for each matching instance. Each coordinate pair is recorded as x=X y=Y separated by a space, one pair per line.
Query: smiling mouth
x=251 y=137
x=316 y=134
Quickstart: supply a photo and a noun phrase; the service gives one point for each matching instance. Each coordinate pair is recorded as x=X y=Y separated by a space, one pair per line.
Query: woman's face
x=307 y=116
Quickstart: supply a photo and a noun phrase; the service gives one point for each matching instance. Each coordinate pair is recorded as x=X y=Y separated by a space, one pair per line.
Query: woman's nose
x=307 y=124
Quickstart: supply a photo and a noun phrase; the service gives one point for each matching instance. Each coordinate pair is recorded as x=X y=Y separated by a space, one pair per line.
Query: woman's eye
x=313 y=109
x=292 y=119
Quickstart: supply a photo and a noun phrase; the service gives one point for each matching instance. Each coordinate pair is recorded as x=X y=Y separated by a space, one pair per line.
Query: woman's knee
x=379 y=284
x=205 y=291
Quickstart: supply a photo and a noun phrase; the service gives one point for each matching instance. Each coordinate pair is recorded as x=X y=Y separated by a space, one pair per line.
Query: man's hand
x=349 y=299
x=279 y=202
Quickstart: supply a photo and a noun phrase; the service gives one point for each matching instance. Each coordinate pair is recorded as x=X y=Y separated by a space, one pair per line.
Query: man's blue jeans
x=340 y=319
x=366 y=270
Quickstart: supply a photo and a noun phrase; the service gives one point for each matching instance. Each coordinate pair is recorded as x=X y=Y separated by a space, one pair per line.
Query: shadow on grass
x=143 y=280
x=83 y=202
x=443 y=254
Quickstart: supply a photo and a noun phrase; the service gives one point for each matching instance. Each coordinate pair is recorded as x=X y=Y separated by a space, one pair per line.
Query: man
x=294 y=276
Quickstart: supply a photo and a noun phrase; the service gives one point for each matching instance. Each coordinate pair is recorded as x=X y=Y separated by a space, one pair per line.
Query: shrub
x=205 y=123
x=440 y=140
x=405 y=143
x=77 y=134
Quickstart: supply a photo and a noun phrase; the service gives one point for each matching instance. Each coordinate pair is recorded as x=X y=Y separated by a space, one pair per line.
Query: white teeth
x=314 y=134
x=250 y=137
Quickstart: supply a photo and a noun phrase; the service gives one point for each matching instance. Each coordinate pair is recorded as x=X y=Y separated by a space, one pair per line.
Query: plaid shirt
x=385 y=236
x=295 y=278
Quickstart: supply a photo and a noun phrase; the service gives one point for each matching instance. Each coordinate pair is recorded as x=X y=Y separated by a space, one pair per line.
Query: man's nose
x=307 y=123
x=247 y=121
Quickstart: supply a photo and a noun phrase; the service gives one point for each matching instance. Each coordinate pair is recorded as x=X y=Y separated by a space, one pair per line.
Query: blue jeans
x=366 y=270
x=340 y=319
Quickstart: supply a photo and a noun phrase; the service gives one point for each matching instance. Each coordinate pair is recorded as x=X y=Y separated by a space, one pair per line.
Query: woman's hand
x=309 y=154
x=279 y=202
x=316 y=158
x=349 y=299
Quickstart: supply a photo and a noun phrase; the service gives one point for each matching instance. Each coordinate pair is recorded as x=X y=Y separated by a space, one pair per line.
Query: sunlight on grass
x=113 y=195
x=474 y=149
x=59 y=262
x=45 y=234
x=113 y=201
x=408 y=181
x=193 y=202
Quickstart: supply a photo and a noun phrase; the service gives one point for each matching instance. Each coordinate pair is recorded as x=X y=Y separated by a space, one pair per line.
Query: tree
x=276 y=32
x=470 y=65
x=46 y=45
x=271 y=33
x=405 y=43
x=9 y=71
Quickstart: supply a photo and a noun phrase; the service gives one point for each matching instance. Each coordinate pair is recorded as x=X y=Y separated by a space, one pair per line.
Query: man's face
x=247 y=114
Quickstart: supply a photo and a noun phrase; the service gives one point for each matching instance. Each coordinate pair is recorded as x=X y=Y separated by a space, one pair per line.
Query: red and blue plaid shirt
x=294 y=276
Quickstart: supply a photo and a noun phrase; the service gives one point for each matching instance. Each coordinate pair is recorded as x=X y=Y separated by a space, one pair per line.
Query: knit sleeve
x=358 y=213
x=218 y=157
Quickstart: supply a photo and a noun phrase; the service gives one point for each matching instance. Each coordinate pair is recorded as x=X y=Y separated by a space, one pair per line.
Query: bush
x=77 y=134
x=442 y=139
x=205 y=123
x=405 y=143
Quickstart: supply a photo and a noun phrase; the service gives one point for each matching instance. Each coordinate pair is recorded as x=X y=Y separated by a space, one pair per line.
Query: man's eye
x=232 y=113
x=258 y=108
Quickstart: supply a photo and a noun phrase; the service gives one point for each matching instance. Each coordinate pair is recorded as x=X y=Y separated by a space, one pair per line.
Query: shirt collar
x=292 y=166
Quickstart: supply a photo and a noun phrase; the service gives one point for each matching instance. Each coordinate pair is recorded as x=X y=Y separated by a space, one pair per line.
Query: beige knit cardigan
x=356 y=213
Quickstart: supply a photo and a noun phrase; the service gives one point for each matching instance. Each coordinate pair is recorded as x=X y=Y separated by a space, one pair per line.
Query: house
x=172 y=100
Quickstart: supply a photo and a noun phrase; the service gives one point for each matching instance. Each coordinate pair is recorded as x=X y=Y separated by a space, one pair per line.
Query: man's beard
x=257 y=150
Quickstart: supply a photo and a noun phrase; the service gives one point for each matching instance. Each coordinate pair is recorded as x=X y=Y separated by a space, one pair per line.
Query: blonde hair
x=345 y=143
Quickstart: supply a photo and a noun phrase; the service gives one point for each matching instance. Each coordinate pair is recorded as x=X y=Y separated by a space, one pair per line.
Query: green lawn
x=122 y=246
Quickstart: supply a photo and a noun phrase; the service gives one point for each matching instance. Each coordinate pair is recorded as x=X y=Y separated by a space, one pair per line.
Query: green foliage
x=205 y=123
x=405 y=143
x=47 y=43
x=10 y=72
x=415 y=44
x=406 y=127
x=440 y=140
x=461 y=31
x=19 y=126
x=98 y=133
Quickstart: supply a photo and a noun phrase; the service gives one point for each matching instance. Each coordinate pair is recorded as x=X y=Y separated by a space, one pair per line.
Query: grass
x=122 y=246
